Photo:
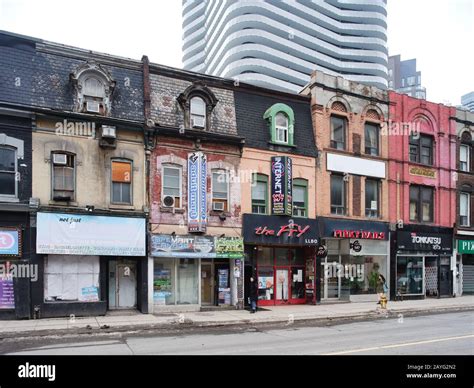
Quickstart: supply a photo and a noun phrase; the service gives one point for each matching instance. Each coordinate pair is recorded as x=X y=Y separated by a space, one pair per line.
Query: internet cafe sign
x=282 y=202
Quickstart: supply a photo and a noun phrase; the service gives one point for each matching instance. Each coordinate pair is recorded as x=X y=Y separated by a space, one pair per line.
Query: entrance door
x=330 y=281
x=444 y=280
x=282 y=285
x=122 y=284
x=207 y=284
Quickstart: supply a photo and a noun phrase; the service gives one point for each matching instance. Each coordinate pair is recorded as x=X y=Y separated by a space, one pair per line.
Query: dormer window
x=281 y=120
x=197 y=103
x=281 y=128
x=94 y=87
x=198 y=113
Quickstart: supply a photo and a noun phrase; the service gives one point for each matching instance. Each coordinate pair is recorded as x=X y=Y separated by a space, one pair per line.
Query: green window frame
x=259 y=206
x=300 y=209
x=277 y=132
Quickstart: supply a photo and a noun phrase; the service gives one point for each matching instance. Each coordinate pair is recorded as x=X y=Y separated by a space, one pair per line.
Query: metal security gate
x=468 y=279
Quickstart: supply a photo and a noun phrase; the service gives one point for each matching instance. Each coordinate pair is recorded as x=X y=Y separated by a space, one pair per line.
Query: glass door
x=330 y=281
x=298 y=285
x=282 y=285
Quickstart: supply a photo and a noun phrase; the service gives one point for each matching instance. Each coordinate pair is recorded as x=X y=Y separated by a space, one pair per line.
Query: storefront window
x=187 y=282
x=409 y=275
x=265 y=283
x=282 y=256
x=163 y=282
x=71 y=278
x=265 y=256
x=297 y=283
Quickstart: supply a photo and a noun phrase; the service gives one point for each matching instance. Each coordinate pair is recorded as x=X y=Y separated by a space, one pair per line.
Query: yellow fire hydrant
x=383 y=301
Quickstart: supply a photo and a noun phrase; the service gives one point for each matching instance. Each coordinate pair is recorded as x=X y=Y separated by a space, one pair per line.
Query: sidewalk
x=324 y=313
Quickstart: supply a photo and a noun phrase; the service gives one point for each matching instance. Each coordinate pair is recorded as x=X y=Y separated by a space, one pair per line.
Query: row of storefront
x=90 y=264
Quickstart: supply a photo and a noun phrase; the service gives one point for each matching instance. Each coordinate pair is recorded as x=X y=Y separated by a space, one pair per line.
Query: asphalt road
x=442 y=334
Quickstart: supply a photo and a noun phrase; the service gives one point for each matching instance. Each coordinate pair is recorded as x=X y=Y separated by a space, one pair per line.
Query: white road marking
x=400 y=345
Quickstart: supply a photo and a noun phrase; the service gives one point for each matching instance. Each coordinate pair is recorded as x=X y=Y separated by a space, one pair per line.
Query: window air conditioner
x=168 y=201
x=60 y=159
x=218 y=206
x=197 y=122
x=93 y=106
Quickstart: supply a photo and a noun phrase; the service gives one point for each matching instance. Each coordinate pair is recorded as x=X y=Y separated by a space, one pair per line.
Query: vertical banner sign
x=289 y=187
x=281 y=185
x=197 y=188
x=203 y=193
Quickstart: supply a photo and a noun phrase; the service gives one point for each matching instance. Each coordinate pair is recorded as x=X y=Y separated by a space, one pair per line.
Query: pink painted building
x=422 y=195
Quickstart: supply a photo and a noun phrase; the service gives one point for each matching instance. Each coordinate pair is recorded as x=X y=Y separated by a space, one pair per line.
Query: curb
x=174 y=325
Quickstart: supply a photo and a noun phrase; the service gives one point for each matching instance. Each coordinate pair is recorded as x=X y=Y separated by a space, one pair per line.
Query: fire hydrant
x=383 y=301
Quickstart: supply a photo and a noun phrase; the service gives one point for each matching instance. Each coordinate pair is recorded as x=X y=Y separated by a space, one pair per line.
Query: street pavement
x=437 y=334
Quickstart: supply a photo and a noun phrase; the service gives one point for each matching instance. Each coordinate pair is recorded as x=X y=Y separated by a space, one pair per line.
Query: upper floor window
x=198 y=113
x=421 y=204
x=421 y=149
x=464 y=157
x=338 y=195
x=338 y=132
x=171 y=186
x=8 y=171
x=281 y=128
x=372 y=139
x=220 y=190
x=300 y=197
x=197 y=103
x=63 y=177
x=464 y=209
x=94 y=87
x=260 y=194
x=281 y=120
x=122 y=182
x=372 y=195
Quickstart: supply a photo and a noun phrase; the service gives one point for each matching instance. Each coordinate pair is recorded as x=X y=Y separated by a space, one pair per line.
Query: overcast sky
x=438 y=33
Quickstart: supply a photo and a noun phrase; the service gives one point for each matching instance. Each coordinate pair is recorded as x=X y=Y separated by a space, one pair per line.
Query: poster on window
x=281 y=185
x=7 y=295
x=89 y=294
x=197 y=191
x=77 y=234
x=10 y=242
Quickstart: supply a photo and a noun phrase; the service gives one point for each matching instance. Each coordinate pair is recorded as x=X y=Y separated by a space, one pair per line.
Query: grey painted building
x=403 y=77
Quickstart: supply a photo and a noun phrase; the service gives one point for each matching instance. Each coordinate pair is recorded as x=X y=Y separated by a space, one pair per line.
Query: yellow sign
x=422 y=171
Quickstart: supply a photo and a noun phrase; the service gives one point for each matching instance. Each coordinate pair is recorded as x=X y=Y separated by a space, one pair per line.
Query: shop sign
x=355 y=246
x=282 y=202
x=322 y=251
x=7 y=294
x=187 y=246
x=76 y=234
x=362 y=234
x=230 y=247
x=10 y=242
x=420 y=241
x=197 y=191
x=422 y=171
x=263 y=230
x=466 y=246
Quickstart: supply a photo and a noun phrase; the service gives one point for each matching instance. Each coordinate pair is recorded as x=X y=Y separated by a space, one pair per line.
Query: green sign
x=230 y=247
x=466 y=246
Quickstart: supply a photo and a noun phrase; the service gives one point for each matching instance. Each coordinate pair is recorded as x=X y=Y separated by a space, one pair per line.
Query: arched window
x=281 y=127
x=281 y=120
x=198 y=113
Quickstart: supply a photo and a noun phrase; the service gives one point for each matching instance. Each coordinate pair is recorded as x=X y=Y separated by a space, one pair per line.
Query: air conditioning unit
x=197 y=122
x=218 y=206
x=93 y=106
x=168 y=201
x=60 y=159
x=109 y=132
